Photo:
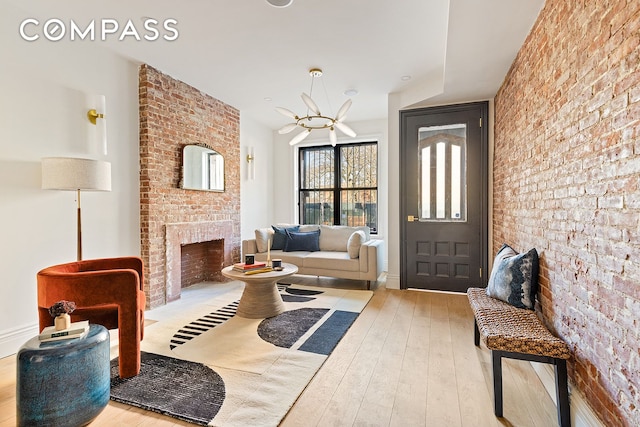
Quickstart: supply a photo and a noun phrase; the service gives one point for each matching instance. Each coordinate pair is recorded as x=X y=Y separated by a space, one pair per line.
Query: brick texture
x=172 y=115
x=201 y=262
x=566 y=181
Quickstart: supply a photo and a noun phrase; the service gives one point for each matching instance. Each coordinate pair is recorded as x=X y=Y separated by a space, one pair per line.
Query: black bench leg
x=476 y=333
x=497 y=382
x=368 y=284
x=562 y=393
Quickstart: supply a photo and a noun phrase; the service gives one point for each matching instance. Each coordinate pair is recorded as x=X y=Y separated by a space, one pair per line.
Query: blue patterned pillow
x=514 y=277
x=299 y=241
x=280 y=235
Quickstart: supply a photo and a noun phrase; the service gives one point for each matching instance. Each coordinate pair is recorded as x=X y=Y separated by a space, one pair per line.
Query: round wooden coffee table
x=260 y=298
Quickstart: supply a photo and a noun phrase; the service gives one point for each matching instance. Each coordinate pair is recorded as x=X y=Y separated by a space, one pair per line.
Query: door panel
x=444 y=193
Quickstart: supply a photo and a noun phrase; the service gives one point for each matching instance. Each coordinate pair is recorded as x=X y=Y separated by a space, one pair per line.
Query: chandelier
x=314 y=119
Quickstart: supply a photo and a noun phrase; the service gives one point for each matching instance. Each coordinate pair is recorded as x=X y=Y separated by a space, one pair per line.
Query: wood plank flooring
x=408 y=360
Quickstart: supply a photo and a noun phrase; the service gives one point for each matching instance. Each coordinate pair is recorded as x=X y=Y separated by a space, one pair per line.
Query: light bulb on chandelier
x=314 y=119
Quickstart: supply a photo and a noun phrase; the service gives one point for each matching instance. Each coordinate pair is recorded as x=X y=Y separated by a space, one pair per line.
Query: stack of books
x=76 y=330
x=243 y=268
x=259 y=270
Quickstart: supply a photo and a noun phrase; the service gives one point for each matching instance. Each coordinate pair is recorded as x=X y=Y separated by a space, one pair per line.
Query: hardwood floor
x=408 y=360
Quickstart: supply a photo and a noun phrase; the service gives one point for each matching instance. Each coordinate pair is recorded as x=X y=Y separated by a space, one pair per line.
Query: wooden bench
x=518 y=333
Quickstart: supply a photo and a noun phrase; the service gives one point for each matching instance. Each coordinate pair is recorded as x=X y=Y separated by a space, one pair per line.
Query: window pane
x=442 y=166
x=359 y=207
x=318 y=169
x=359 y=166
x=440 y=177
x=317 y=207
x=455 y=182
x=425 y=182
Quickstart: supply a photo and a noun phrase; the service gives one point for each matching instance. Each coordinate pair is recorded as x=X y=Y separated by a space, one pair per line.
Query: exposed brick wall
x=566 y=181
x=172 y=115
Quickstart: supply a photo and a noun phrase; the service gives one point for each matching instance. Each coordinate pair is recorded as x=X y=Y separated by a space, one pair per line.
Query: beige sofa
x=345 y=252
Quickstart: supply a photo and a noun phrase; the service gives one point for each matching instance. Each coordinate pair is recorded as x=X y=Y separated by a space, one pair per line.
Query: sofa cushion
x=286 y=257
x=297 y=241
x=280 y=235
x=336 y=237
x=514 y=277
x=356 y=240
x=331 y=260
x=263 y=237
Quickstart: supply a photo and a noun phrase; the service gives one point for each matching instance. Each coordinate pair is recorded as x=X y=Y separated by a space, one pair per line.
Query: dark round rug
x=181 y=389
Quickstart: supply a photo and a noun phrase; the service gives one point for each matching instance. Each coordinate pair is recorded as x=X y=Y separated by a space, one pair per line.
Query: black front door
x=443 y=164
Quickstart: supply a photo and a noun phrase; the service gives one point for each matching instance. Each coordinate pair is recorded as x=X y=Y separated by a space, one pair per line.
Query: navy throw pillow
x=280 y=235
x=298 y=241
x=514 y=277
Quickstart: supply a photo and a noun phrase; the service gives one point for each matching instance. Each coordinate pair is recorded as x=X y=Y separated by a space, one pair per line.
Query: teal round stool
x=63 y=383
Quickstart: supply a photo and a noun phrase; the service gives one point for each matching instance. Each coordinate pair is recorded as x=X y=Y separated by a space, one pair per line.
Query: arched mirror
x=202 y=169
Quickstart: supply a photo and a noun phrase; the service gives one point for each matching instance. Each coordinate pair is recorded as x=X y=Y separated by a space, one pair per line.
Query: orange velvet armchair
x=108 y=292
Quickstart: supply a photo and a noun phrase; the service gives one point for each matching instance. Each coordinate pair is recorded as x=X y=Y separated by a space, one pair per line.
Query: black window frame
x=338 y=188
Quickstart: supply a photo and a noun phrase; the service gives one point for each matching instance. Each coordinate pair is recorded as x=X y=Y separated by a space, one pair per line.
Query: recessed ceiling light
x=280 y=3
x=351 y=92
x=268 y=98
x=405 y=78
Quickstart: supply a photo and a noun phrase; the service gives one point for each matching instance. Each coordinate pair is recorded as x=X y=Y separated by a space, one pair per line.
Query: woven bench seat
x=508 y=328
x=518 y=333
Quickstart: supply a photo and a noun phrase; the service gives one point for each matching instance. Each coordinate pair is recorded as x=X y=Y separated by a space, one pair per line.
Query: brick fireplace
x=172 y=115
x=212 y=257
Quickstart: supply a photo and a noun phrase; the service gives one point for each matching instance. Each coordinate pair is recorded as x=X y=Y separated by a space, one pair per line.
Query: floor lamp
x=73 y=174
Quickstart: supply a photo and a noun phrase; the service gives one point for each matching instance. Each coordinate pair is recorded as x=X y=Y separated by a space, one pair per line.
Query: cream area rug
x=207 y=366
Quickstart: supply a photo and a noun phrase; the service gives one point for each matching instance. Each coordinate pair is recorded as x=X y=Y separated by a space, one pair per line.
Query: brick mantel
x=172 y=115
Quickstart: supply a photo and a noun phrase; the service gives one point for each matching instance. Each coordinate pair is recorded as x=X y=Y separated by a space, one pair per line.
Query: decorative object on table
x=314 y=119
x=75 y=330
x=60 y=312
x=63 y=383
x=263 y=364
x=249 y=259
x=67 y=173
x=259 y=270
x=107 y=291
x=244 y=267
x=269 y=252
x=276 y=264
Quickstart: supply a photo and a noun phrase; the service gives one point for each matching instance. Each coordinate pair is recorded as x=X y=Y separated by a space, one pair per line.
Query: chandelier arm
x=299 y=137
x=311 y=104
x=332 y=137
x=343 y=110
x=287 y=128
x=345 y=129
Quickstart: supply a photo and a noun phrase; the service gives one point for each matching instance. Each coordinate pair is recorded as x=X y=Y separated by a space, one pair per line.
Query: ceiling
x=255 y=57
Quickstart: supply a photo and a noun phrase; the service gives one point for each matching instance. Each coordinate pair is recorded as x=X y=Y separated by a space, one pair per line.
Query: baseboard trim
x=581 y=413
x=393 y=281
x=12 y=340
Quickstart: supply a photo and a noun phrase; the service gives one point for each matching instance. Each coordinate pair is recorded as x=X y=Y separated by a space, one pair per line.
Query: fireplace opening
x=201 y=262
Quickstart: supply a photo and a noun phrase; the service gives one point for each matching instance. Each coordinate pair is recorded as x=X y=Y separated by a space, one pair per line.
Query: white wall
x=286 y=158
x=42 y=113
x=256 y=195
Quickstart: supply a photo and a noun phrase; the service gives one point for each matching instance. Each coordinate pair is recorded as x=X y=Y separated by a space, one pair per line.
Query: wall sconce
x=97 y=105
x=251 y=167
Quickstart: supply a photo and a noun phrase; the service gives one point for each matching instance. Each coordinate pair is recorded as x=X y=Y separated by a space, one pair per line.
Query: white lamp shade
x=69 y=173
